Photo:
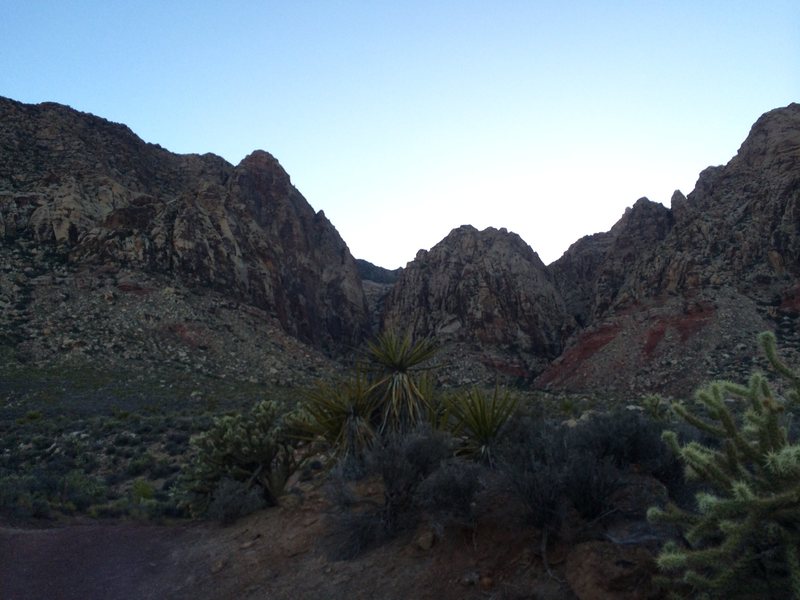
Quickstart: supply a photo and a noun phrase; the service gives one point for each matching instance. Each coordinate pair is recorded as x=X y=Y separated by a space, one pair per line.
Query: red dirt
x=588 y=344
x=686 y=325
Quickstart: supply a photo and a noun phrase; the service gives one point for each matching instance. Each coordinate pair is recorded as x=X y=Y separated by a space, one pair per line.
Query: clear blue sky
x=403 y=120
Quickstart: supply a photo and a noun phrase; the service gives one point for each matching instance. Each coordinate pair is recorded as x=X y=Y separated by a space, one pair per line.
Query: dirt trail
x=280 y=554
x=88 y=562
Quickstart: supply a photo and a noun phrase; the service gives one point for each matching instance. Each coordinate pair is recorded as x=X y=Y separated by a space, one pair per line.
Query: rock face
x=669 y=298
x=485 y=291
x=111 y=246
x=101 y=197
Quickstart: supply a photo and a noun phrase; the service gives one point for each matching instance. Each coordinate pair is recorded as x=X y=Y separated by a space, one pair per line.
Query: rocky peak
x=593 y=271
x=680 y=294
x=483 y=290
x=772 y=142
x=104 y=197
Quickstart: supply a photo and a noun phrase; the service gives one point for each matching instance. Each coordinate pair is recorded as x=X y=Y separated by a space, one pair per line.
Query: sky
x=405 y=119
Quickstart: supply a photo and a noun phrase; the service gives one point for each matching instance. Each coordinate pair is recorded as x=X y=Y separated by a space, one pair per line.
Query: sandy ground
x=279 y=553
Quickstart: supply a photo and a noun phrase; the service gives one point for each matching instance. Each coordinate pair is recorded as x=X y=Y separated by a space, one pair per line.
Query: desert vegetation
x=396 y=453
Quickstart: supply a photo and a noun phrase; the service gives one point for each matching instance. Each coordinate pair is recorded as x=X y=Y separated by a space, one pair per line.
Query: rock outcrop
x=100 y=196
x=485 y=294
x=670 y=298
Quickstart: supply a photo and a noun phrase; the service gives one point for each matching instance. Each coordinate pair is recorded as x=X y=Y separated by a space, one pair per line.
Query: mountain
x=482 y=294
x=672 y=297
x=666 y=299
x=102 y=196
x=115 y=251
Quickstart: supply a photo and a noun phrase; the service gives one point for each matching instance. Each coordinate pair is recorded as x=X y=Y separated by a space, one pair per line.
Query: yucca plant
x=342 y=414
x=479 y=417
x=395 y=363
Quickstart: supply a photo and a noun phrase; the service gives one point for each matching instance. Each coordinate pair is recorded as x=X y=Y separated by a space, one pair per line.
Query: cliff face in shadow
x=99 y=228
x=101 y=197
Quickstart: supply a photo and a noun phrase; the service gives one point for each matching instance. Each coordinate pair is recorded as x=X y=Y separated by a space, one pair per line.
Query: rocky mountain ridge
x=680 y=293
x=97 y=227
x=98 y=195
x=666 y=299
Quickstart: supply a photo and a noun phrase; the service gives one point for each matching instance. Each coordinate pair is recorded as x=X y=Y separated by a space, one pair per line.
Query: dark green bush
x=589 y=483
x=403 y=462
x=626 y=437
x=140 y=465
x=79 y=491
x=532 y=459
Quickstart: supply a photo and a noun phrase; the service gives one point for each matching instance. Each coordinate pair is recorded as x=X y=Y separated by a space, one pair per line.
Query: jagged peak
x=774 y=133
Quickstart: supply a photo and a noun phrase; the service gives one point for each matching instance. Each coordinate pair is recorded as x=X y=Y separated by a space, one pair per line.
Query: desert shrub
x=162 y=468
x=232 y=500
x=626 y=437
x=140 y=464
x=532 y=459
x=110 y=510
x=589 y=482
x=549 y=466
x=141 y=491
x=253 y=449
x=402 y=463
x=741 y=539
x=79 y=491
x=178 y=437
x=21 y=497
x=447 y=495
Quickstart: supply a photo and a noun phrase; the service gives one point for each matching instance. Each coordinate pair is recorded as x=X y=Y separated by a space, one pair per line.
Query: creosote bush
x=551 y=466
x=742 y=539
x=419 y=479
x=233 y=499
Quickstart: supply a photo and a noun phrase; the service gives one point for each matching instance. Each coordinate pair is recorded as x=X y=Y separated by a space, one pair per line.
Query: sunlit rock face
x=101 y=196
x=487 y=294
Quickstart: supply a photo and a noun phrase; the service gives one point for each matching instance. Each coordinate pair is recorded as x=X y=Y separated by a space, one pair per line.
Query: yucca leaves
x=342 y=414
x=479 y=417
x=395 y=364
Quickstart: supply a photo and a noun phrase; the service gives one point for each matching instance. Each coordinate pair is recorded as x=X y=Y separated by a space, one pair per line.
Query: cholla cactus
x=248 y=448
x=744 y=538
